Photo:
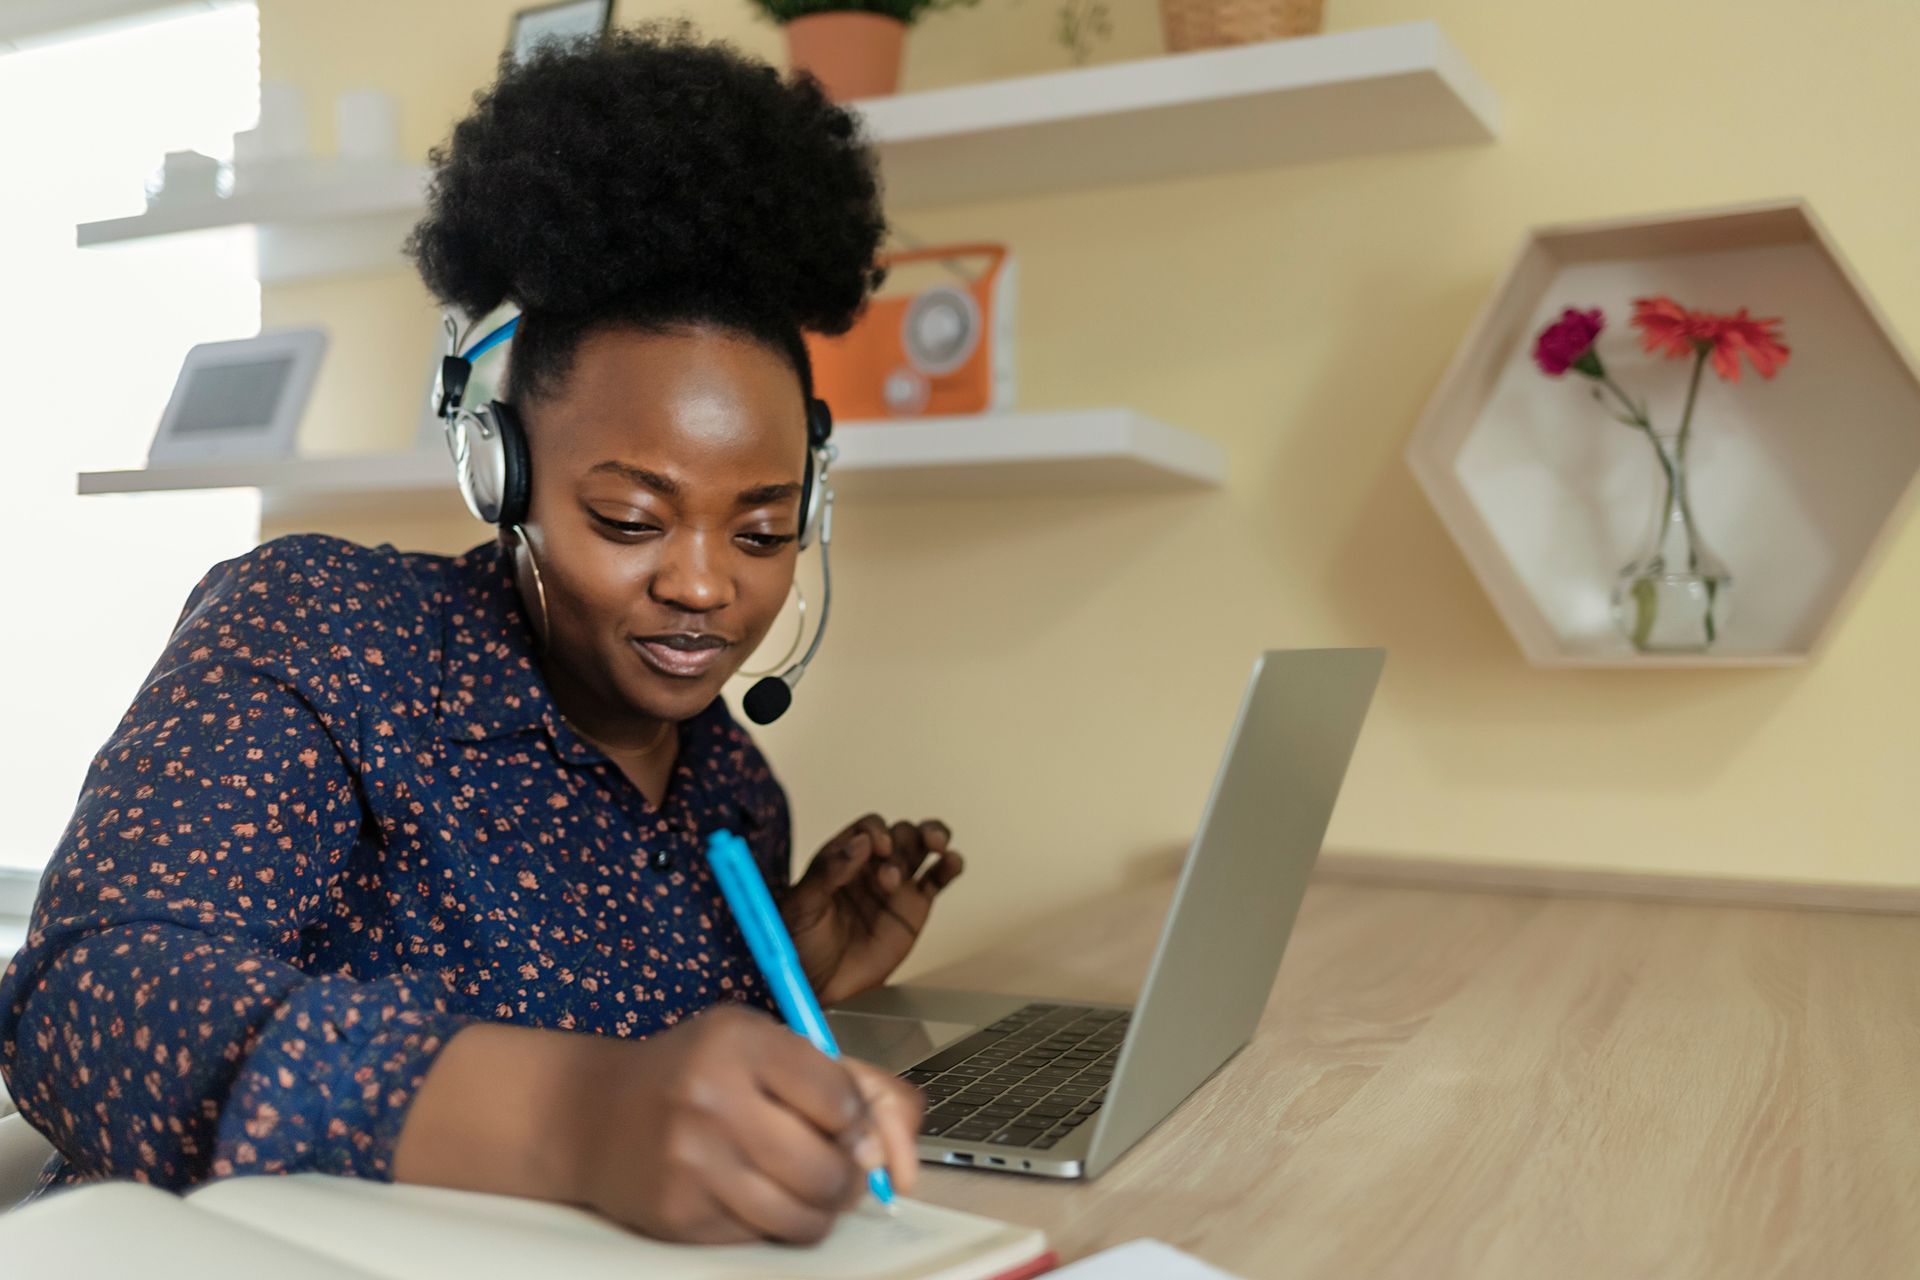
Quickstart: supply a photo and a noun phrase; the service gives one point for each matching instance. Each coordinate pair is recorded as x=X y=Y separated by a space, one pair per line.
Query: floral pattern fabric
x=343 y=819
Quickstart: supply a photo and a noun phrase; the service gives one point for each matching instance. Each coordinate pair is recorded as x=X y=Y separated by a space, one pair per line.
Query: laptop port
x=960 y=1157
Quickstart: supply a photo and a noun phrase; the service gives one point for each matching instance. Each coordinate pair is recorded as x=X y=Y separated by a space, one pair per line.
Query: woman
x=384 y=833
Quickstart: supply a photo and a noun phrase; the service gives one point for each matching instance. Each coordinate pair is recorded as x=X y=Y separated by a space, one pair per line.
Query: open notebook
x=312 y=1226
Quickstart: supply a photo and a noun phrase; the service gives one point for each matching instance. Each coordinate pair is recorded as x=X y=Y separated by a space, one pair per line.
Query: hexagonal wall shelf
x=1796 y=482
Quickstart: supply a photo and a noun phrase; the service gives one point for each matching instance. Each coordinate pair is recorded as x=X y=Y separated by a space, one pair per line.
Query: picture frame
x=560 y=21
x=239 y=400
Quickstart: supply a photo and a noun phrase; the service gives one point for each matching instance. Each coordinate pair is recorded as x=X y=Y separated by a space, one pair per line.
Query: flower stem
x=1680 y=457
x=1641 y=424
x=1633 y=410
x=1693 y=392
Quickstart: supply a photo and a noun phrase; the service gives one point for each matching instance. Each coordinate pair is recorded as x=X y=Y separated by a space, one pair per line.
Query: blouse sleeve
x=156 y=1026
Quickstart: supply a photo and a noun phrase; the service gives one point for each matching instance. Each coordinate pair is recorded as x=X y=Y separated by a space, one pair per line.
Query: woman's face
x=665 y=509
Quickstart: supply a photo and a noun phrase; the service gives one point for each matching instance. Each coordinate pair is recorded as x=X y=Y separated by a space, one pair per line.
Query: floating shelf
x=1278 y=102
x=1217 y=111
x=1003 y=454
x=330 y=219
x=1796 y=482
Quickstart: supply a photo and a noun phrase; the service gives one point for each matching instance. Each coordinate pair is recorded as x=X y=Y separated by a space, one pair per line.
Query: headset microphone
x=768 y=699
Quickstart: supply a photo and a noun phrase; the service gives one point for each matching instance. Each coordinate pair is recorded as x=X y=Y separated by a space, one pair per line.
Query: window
x=90 y=341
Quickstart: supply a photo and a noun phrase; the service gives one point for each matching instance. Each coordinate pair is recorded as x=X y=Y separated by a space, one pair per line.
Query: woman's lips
x=681 y=657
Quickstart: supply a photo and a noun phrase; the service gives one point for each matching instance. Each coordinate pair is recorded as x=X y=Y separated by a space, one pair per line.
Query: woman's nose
x=689 y=575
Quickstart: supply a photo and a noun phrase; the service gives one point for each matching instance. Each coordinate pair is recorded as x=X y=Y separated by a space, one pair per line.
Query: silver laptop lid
x=1241 y=888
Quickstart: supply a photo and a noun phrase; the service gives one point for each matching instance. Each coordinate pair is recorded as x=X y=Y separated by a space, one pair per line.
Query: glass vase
x=1672 y=598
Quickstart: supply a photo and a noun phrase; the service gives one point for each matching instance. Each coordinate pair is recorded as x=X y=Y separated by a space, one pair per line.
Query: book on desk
x=309 y=1226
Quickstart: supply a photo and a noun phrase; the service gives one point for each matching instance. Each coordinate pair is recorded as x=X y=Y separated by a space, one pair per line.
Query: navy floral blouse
x=343 y=819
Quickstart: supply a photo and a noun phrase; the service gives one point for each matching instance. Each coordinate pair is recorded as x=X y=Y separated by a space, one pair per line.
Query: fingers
x=690 y=1206
x=896 y=1107
x=892 y=872
x=757 y=1134
x=770 y=1211
x=942 y=872
x=835 y=866
x=807 y=1082
x=872 y=1117
x=936 y=834
x=861 y=843
x=914 y=846
x=893 y=855
x=877 y=861
x=813 y=1169
x=934 y=865
x=791 y=1181
x=711 y=1222
x=875 y=828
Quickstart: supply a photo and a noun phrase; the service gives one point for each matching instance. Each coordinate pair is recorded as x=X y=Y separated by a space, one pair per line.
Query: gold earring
x=539 y=584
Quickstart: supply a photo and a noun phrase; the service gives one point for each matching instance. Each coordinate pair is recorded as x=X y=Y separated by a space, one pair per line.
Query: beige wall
x=1056 y=676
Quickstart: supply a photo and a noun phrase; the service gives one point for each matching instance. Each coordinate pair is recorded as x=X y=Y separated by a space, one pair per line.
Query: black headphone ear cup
x=516 y=480
x=819 y=431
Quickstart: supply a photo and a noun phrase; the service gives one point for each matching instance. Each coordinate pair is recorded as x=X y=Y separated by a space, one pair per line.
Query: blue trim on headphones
x=492 y=340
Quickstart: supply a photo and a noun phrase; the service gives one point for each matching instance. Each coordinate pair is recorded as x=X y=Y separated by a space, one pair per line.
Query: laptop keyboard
x=1028 y=1080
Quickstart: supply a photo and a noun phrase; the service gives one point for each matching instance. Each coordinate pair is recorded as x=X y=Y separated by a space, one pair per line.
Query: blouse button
x=661 y=860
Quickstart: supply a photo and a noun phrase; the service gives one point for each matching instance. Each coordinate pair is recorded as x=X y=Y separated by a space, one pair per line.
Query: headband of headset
x=457 y=369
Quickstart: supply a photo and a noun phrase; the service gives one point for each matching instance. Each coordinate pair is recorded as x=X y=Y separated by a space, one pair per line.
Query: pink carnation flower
x=1567 y=343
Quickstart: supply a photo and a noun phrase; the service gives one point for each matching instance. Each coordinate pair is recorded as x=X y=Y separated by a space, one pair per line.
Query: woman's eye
x=630 y=528
x=766 y=541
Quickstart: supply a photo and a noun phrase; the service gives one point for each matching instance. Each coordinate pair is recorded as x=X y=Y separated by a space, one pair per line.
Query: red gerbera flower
x=1667 y=327
x=1758 y=340
x=1672 y=330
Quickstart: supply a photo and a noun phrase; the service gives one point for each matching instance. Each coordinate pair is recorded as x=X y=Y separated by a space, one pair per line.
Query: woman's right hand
x=730 y=1127
x=725 y=1128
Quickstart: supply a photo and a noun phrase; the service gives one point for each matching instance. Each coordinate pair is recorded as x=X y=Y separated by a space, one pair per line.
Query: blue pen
x=759 y=920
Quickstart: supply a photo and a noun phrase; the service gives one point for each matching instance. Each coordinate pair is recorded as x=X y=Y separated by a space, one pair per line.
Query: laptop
x=1063 y=1088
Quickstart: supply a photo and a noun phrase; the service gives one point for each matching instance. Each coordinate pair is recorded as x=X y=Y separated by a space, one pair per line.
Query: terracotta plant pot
x=852 y=55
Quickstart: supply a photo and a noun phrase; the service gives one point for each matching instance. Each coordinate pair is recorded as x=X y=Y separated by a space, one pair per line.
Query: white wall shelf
x=1256 y=106
x=1006 y=454
x=324 y=221
x=1797 y=484
x=1215 y=111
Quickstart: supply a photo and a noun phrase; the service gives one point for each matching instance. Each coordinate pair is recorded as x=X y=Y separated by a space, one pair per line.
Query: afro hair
x=651 y=179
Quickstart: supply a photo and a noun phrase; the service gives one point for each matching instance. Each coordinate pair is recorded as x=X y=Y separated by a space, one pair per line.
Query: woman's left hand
x=864 y=898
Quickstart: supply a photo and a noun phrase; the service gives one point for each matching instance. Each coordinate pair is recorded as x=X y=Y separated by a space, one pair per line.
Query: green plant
x=1082 y=23
x=907 y=11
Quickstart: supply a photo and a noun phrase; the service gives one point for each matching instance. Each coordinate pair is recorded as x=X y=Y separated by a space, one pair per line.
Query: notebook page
x=418 y=1233
x=128 y=1229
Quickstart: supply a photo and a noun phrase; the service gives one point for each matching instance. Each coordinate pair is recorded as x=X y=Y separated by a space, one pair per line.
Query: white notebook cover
x=419 y=1233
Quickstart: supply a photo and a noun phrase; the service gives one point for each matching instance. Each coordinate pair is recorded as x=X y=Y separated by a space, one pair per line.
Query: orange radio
x=944 y=349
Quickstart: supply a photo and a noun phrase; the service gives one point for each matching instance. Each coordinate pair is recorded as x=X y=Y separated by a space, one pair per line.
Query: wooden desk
x=1491 y=1085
